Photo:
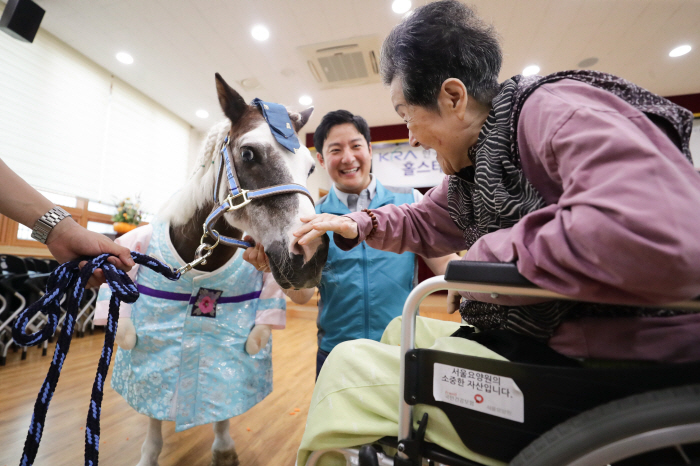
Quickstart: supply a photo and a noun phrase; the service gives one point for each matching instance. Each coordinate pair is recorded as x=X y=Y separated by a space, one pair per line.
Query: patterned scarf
x=493 y=193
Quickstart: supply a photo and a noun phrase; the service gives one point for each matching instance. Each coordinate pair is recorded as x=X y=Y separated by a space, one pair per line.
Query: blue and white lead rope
x=69 y=279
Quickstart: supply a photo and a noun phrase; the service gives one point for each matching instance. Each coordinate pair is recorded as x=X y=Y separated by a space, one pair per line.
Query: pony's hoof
x=224 y=458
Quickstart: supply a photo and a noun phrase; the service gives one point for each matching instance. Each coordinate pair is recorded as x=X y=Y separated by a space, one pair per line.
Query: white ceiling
x=178 y=45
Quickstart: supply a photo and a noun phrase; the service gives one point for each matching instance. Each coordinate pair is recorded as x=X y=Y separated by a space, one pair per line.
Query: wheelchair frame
x=475 y=277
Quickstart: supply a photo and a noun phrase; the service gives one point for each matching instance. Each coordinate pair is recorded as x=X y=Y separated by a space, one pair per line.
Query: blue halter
x=281 y=127
x=239 y=197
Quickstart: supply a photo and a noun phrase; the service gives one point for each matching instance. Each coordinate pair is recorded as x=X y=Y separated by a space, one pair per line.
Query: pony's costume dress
x=189 y=364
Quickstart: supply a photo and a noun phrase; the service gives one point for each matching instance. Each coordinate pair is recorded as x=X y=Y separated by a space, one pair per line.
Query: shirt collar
x=371 y=189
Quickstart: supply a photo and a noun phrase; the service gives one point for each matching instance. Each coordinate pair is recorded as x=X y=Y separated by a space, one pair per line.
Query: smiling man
x=363 y=290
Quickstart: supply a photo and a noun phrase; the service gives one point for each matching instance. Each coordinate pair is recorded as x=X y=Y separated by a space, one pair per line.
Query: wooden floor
x=273 y=437
x=274 y=433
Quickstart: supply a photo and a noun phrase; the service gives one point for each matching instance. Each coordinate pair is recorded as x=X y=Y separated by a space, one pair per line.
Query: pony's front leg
x=153 y=444
x=223 y=452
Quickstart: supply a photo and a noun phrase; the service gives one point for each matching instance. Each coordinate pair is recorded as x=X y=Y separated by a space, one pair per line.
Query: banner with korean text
x=400 y=165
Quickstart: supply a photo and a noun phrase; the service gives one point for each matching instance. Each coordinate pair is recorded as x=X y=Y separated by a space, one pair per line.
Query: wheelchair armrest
x=496 y=273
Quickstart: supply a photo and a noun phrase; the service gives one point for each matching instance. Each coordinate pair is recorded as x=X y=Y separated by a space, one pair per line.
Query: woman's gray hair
x=437 y=41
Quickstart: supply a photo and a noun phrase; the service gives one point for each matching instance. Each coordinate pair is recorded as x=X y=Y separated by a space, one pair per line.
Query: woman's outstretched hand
x=316 y=226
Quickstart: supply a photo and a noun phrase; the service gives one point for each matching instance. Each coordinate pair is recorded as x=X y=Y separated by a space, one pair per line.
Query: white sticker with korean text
x=480 y=391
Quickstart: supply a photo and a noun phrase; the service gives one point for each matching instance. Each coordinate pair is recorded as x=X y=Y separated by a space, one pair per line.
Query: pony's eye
x=247 y=155
x=313 y=167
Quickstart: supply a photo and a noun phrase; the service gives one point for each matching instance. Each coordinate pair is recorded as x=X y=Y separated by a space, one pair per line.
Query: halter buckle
x=244 y=194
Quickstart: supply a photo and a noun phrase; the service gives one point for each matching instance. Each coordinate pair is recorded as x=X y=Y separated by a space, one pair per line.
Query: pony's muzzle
x=291 y=270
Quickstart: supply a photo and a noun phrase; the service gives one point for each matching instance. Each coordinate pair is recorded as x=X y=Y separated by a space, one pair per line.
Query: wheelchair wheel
x=654 y=428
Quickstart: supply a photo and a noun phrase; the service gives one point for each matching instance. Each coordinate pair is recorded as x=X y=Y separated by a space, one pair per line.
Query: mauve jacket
x=621 y=224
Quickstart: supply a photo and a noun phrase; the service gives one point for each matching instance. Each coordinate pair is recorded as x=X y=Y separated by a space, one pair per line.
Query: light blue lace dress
x=189 y=364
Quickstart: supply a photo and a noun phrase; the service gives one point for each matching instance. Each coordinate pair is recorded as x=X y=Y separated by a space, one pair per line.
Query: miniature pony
x=197 y=350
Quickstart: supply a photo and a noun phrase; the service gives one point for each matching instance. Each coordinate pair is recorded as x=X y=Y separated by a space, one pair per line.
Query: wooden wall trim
x=10 y=244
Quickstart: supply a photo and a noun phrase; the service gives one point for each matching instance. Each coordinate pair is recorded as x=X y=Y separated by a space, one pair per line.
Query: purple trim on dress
x=240 y=298
x=191 y=299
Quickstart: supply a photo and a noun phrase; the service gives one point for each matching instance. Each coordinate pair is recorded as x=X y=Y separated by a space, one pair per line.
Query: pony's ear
x=302 y=119
x=231 y=101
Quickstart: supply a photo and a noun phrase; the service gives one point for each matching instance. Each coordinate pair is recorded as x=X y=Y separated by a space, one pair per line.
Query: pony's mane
x=181 y=207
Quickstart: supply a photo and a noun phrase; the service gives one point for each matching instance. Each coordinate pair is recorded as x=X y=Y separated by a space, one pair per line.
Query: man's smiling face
x=347 y=157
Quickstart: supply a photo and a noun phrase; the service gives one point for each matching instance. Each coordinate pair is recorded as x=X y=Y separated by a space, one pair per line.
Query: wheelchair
x=647 y=414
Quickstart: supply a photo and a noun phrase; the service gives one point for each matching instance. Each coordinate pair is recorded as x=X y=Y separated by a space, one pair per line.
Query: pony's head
x=260 y=161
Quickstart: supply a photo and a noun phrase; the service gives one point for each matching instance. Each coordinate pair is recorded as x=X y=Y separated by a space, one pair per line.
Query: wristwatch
x=45 y=224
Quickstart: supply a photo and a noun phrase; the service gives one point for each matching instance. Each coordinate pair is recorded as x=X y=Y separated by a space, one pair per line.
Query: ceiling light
x=202 y=114
x=305 y=100
x=587 y=62
x=678 y=51
x=401 y=6
x=530 y=70
x=250 y=83
x=260 y=32
x=125 y=58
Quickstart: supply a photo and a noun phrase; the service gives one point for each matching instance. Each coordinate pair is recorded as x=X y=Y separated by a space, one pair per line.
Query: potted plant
x=128 y=216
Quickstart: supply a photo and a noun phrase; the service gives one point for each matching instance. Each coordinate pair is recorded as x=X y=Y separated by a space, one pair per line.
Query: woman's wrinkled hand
x=453 y=301
x=316 y=226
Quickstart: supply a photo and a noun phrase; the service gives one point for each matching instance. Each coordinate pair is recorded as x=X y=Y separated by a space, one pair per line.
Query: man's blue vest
x=364 y=288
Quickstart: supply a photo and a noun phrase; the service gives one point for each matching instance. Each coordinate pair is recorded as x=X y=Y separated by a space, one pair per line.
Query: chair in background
x=14 y=275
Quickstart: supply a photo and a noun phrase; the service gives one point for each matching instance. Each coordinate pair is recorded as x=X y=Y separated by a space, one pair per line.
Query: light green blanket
x=357 y=393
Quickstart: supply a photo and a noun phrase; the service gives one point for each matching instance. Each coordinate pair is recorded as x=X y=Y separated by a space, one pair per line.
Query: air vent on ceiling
x=350 y=62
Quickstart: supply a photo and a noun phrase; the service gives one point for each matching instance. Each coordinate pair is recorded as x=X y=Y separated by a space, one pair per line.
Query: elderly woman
x=581 y=178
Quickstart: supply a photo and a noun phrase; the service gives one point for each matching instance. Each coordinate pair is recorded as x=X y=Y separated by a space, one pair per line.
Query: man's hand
x=316 y=226
x=68 y=241
x=256 y=256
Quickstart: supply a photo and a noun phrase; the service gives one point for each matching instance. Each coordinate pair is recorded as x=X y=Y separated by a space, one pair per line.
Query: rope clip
x=201 y=254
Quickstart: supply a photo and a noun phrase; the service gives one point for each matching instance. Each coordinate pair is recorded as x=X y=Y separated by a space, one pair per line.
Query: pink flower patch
x=206 y=305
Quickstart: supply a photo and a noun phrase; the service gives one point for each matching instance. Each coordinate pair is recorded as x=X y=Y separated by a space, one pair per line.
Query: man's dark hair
x=338 y=117
x=442 y=40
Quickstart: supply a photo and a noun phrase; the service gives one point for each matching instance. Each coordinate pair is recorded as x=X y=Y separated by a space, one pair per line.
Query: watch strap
x=47 y=222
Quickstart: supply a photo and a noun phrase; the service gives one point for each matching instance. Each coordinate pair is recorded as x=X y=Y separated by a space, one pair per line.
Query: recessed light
x=260 y=32
x=678 y=51
x=125 y=58
x=587 y=62
x=530 y=70
x=250 y=83
x=305 y=100
x=401 y=6
x=202 y=114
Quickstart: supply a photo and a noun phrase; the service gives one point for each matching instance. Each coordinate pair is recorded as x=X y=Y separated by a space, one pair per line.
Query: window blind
x=68 y=126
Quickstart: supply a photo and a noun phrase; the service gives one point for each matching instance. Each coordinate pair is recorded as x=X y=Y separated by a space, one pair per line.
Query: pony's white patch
x=222 y=436
x=153 y=444
x=198 y=191
x=298 y=166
